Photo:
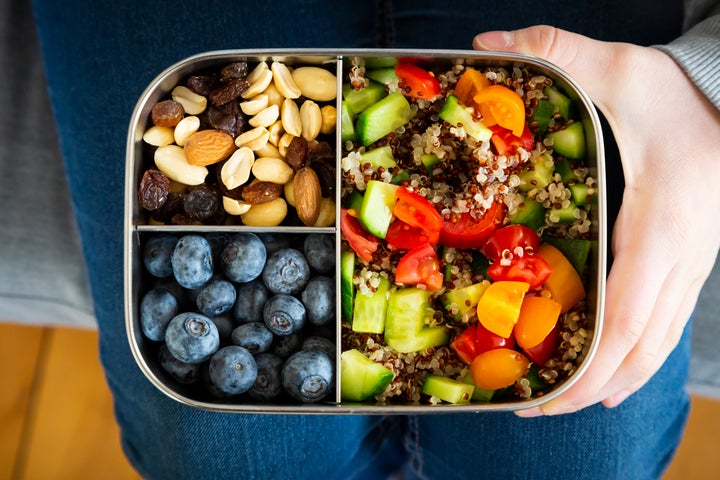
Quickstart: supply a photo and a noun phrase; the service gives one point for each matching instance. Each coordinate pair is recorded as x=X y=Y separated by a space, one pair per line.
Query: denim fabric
x=99 y=58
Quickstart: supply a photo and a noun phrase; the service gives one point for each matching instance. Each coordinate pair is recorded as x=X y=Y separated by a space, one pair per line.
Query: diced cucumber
x=429 y=160
x=377 y=207
x=382 y=118
x=576 y=250
x=406 y=312
x=382 y=75
x=563 y=214
x=542 y=114
x=358 y=100
x=370 y=310
x=561 y=101
x=347 y=125
x=538 y=174
x=347 y=288
x=563 y=167
x=401 y=177
x=424 y=339
x=581 y=193
x=463 y=300
x=354 y=201
x=458 y=115
x=360 y=377
x=379 y=157
x=480 y=395
x=529 y=212
x=537 y=384
x=380 y=62
x=570 y=141
x=447 y=389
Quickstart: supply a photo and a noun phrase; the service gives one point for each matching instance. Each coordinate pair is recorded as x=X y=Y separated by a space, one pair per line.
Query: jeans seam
x=412 y=445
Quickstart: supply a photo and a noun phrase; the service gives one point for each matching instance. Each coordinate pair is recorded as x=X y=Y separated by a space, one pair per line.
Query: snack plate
x=137 y=225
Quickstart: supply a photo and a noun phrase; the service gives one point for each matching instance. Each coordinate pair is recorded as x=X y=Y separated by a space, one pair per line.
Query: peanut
x=259 y=85
x=236 y=170
x=254 y=139
x=326 y=217
x=185 y=129
x=235 y=207
x=290 y=116
x=265 y=117
x=193 y=103
x=254 y=106
x=267 y=214
x=283 y=80
x=273 y=170
x=158 y=136
x=329 y=119
x=316 y=83
x=311 y=120
x=172 y=161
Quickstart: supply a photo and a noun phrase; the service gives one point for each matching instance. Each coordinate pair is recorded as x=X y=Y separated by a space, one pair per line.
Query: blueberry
x=319 y=300
x=284 y=314
x=251 y=298
x=218 y=241
x=157 y=254
x=319 y=251
x=286 y=271
x=254 y=336
x=171 y=285
x=157 y=308
x=286 y=345
x=233 y=370
x=192 y=261
x=322 y=344
x=267 y=385
x=225 y=326
x=192 y=337
x=307 y=375
x=243 y=258
x=185 y=373
x=275 y=241
x=216 y=298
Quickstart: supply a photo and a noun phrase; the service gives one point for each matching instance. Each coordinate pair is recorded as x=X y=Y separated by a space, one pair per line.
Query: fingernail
x=495 y=40
x=616 y=399
x=529 y=413
x=557 y=409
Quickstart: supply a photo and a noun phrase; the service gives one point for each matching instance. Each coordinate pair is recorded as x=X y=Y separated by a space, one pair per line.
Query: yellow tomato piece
x=538 y=316
x=499 y=308
x=505 y=106
x=564 y=283
x=498 y=368
x=469 y=84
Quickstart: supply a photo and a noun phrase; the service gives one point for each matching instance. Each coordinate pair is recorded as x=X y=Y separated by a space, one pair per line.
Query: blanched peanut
x=276 y=131
x=274 y=96
x=265 y=117
x=267 y=214
x=289 y=191
x=257 y=72
x=185 y=129
x=269 y=150
x=326 y=217
x=254 y=106
x=259 y=85
x=290 y=116
x=311 y=120
x=158 y=136
x=171 y=160
x=193 y=103
x=283 y=80
x=329 y=119
x=284 y=143
x=316 y=83
x=254 y=139
x=235 y=207
x=275 y=170
x=236 y=170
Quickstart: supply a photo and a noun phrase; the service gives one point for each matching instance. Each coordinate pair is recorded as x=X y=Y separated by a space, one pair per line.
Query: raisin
x=227 y=92
x=261 y=192
x=202 y=84
x=321 y=158
x=173 y=206
x=154 y=189
x=201 y=203
x=234 y=70
x=227 y=118
x=297 y=153
x=167 y=113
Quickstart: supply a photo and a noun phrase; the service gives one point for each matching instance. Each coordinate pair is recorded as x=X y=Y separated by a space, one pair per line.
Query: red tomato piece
x=417 y=82
x=542 y=352
x=464 y=345
x=361 y=241
x=531 y=269
x=415 y=210
x=486 y=340
x=469 y=232
x=509 y=238
x=506 y=143
x=402 y=235
x=420 y=266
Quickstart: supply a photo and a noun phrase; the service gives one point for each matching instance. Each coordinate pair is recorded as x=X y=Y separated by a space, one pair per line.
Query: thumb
x=588 y=61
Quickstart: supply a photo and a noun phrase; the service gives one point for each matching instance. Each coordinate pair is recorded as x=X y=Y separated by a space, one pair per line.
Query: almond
x=207 y=147
x=308 y=195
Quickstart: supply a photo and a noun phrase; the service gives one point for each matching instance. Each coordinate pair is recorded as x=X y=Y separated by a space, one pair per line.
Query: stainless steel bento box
x=138 y=226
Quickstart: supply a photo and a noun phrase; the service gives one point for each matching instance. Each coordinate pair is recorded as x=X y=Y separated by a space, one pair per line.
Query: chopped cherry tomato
x=505 y=106
x=538 y=319
x=531 y=269
x=506 y=143
x=499 y=307
x=469 y=232
x=363 y=242
x=469 y=84
x=510 y=238
x=486 y=340
x=402 y=235
x=498 y=368
x=465 y=345
x=417 y=82
x=420 y=266
x=415 y=210
x=542 y=352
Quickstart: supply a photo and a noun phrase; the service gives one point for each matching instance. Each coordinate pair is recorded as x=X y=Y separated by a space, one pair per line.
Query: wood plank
x=73 y=433
x=19 y=347
x=697 y=455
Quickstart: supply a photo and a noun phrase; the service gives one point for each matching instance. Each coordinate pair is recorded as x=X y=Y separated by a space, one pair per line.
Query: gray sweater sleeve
x=697 y=51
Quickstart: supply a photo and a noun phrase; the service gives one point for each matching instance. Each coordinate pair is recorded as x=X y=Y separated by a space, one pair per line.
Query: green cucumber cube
x=447 y=389
x=347 y=288
x=369 y=310
x=383 y=117
x=458 y=115
x=377 y=207
x=379 y=157
x=358 y=100
x=570 y=141
x=361 y=378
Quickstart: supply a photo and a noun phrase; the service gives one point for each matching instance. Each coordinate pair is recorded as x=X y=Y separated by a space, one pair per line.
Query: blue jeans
x=101 y=55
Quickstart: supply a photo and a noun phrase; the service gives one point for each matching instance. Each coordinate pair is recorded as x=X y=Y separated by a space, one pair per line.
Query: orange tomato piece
x=499 y=308
x=564 y=283
x=468 y=85
x=505 y=106
x=498 y=368
x=538 y=316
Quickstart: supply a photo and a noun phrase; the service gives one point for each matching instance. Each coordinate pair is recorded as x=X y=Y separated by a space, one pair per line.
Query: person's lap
x=100 y=58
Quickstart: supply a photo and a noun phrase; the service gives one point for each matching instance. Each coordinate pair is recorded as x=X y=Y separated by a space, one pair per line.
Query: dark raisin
x=167 y=113
x=227 y=92
x=201 y=203
x=234 y=70
x=154 y=189
x=297 y=153
x=202 y=84
x=173 y=206
x=261 y=192
x=227 y=118
x=321 y=158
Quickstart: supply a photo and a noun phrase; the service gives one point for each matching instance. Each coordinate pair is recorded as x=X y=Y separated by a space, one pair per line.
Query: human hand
x=667 y=233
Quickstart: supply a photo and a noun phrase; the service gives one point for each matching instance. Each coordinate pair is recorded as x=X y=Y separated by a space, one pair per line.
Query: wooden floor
x=57 y=421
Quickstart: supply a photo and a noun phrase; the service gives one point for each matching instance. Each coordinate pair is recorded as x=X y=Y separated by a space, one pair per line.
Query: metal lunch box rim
x=339 y=55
